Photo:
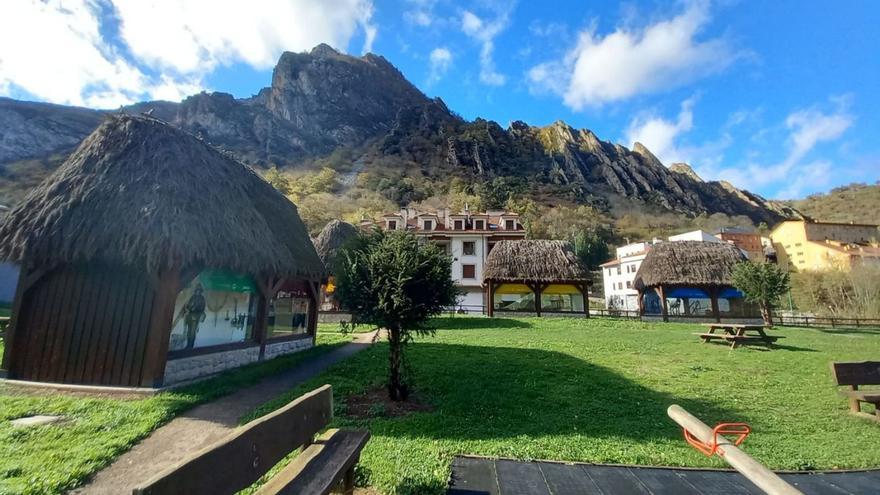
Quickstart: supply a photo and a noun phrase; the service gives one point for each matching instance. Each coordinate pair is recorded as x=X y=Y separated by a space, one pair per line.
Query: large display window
x=216 y=308
x=289 y=311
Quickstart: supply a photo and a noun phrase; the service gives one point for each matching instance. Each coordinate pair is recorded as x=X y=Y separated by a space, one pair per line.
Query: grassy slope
x=52 y=459
x=854 y=203
x=597 y=391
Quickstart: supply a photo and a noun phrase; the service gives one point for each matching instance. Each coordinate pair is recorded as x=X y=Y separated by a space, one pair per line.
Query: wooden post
x=687 y=305
x=664 y=308
x=641 y=302
x=161 y=316
x=765 y=479
x=314 y=290
x=713 y=294
x=490 y=308
x=585 y=292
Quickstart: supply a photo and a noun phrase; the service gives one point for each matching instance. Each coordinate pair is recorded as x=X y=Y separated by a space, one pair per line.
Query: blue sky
x=777 y=97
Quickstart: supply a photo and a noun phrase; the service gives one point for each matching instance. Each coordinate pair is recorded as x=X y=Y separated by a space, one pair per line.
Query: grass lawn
x=597 y=391
x=51 y=459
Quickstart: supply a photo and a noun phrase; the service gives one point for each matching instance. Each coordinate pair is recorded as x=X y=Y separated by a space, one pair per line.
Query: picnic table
x=737 y=334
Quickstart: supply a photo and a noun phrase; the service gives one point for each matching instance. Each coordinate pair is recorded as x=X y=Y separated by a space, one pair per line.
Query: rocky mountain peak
x=686 y=170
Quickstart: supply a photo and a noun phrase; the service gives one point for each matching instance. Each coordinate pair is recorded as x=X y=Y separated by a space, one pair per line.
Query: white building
x=619 y=273
x=696 y=235
x=467 y=237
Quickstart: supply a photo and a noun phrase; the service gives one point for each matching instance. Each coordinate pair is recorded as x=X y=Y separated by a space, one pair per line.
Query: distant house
x=467 y=236
x=691 y=279
x=618 y=275
x=536 y=276
x=695 y=235
x=747 y=240
x=810 y=245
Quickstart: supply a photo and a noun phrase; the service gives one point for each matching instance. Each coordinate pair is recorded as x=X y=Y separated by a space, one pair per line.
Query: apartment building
x=812 y=245
x=467 y=236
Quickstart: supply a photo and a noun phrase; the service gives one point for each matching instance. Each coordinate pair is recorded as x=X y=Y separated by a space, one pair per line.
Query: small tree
x=391 y=280
x=762 y=284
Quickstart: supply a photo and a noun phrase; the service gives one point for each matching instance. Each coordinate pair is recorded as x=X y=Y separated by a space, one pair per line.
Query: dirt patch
x=375 y=403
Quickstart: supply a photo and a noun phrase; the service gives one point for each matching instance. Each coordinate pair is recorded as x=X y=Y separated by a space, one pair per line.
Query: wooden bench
x=737 y=334
x=237 y=461
x=855 y=375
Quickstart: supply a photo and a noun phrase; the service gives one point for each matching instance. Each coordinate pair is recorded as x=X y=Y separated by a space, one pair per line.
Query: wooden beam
x=716 y=312
x=490 y=307
x=161 y=317
x=315 y=290
x=664 y=308
x=641 y=302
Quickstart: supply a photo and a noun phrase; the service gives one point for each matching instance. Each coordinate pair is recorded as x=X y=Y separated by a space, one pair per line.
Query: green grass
x=597 y=391
x=52 y=459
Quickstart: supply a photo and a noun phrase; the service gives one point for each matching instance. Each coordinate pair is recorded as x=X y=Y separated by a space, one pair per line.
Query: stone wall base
x=195 y=367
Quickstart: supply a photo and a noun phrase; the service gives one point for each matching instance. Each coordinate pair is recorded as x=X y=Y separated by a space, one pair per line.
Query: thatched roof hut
x=332 y=237
x=142 y=193
x=534 y=261
x=688 y=263
x=536 y=266
x=140 y=233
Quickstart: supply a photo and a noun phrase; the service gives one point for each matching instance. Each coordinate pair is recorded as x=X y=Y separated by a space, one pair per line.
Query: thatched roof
x=332 y=237
x=693 y=263
x=534 y=261
x=141 y=192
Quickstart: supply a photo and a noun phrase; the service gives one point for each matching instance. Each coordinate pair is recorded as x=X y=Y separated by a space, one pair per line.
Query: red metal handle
x=741 y=430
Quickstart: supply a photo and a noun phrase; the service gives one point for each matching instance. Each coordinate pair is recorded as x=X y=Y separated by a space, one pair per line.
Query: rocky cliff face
x=323 y=100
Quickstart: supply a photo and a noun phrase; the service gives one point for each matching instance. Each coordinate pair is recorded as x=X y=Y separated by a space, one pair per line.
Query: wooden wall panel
x=84 y=324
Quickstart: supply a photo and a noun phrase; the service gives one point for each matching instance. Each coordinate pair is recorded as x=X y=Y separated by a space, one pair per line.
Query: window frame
x=464 y=248
x=473 y=267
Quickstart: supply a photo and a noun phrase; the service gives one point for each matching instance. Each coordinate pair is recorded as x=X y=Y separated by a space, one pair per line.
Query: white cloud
x=196 y=35
x=806 y=128
x=441 y=59
x=485 y=32
x=420 y=12
x=659 y=135
x=56 y=50
x=629 y=62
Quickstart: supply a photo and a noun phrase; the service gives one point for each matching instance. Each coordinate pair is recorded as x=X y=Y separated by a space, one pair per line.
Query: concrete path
x=207 y=423
x=481 y=476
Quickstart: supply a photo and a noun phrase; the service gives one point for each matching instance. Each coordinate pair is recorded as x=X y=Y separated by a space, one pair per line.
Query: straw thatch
x=534 y=261
x=332 y=237
x=688 y=263
x=141 y=192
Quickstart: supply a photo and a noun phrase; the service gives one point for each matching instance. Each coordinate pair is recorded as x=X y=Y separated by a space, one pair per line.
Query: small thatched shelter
x=330 y=240
x=146 y=248
x=332 y=237
x=536 y=275
x=694 y=275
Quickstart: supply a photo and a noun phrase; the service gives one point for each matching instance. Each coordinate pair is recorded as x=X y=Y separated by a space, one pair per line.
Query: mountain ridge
x=322 y=101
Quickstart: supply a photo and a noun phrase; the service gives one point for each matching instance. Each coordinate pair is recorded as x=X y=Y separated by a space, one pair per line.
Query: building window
x=392 y=224
x=216 y=308
x=609 y=272
x=468 y=248
x=629 y=284
x=479 y=224
x=510 y=225
x=288 y=311
x=468 y=271
x=428 y=225
x=800 y=253
x=458 y=225
x=618 y=270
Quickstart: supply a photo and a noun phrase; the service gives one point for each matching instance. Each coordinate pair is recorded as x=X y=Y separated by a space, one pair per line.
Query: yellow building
x=810 y=245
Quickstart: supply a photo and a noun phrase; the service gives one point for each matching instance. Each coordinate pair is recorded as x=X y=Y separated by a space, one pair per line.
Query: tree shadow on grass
x=476 y=322
x=515 y=395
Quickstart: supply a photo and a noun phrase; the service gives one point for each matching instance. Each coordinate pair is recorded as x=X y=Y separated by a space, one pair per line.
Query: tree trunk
x=766 y=314
x=396 y=389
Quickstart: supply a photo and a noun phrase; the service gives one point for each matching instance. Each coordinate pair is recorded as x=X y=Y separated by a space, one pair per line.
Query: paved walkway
x=479 y=476
x=207 y=423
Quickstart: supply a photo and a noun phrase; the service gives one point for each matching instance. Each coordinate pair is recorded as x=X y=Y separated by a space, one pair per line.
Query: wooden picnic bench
x=855 y=375
x=737 y=334
x=237 y=461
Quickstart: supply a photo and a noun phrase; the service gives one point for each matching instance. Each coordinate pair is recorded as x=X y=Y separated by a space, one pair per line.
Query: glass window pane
x=289 y=311
x=216 y=308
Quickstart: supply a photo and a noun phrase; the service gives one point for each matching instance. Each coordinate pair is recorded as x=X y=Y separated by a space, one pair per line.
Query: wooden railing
x=825 y=321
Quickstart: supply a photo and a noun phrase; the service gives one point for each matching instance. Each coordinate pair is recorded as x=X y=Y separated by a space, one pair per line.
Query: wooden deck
x=479 y=476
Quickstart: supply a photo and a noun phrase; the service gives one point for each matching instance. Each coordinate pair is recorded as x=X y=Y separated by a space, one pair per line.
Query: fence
x=824 y=321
